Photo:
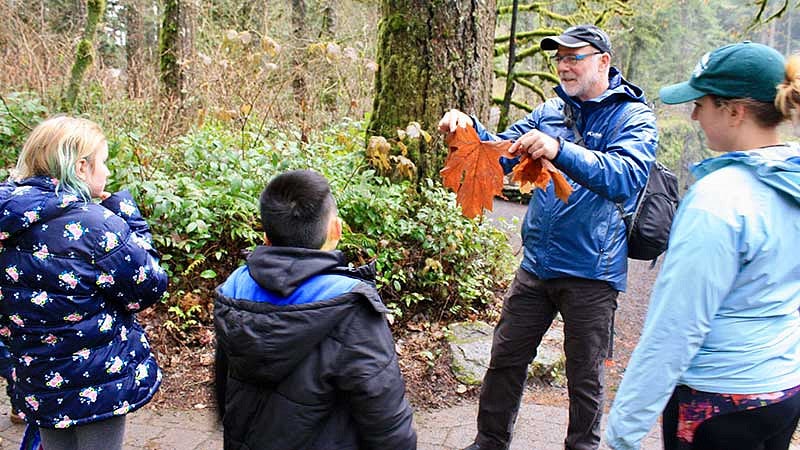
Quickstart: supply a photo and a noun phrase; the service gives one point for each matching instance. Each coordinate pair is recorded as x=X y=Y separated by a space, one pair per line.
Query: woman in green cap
x=720 y=350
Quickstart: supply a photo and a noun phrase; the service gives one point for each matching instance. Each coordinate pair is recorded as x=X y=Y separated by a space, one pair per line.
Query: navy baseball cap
x=577 y=37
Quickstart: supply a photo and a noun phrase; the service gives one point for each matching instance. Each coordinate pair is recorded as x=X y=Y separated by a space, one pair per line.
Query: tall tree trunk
x=433 y=55
x=84 y=53
x=133 y=47
x=176 y=49
x=512 y=61
x=330 y=96
x=633 y=58
x=299 y=81
x=771 y=33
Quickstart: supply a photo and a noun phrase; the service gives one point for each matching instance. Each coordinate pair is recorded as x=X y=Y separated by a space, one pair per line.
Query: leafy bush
x=201 y=199
x=19 y=113
x=429 y=257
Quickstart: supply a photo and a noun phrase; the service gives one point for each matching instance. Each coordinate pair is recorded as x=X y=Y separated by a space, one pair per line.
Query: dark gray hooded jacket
x=305 y=358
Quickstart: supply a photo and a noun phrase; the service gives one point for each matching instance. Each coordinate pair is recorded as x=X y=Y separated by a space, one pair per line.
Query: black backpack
x=649 y=224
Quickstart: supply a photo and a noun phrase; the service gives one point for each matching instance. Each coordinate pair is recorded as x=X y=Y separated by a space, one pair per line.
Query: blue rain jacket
x=72 y=275
x=585 y=237
x=723 y=315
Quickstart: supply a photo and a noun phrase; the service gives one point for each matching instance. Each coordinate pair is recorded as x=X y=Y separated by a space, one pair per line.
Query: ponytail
x=788 y=95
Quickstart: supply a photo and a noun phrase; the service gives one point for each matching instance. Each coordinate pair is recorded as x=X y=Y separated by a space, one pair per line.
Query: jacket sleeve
x=128 y=269
x=374 y=385
x=699 y=270
x=618 y=171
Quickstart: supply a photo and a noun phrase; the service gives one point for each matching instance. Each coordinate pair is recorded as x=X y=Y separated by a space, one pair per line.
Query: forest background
x=203 y=101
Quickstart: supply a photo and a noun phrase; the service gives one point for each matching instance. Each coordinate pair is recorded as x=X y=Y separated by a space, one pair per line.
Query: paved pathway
x=538 y=428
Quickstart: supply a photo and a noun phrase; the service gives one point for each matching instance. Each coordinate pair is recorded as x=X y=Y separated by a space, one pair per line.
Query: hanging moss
x=83 y=53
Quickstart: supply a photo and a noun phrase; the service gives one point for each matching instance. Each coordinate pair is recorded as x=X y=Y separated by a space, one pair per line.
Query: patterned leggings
x=695 y=420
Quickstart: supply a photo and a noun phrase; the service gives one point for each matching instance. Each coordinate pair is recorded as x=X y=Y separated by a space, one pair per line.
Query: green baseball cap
x=744 y=70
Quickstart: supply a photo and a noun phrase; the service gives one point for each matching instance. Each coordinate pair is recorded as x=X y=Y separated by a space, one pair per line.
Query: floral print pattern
x=71 y=275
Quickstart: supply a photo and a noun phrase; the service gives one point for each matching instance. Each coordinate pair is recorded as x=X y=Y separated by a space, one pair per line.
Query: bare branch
x=17 y=119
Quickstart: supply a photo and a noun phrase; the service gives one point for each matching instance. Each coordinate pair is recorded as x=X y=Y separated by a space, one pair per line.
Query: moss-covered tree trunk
x=84 y=53
x=134 y=47
x=176 y=43
x=433 y=55
x=299 y=87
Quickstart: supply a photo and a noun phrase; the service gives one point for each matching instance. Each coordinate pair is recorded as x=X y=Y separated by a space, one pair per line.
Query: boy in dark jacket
x=305 y=358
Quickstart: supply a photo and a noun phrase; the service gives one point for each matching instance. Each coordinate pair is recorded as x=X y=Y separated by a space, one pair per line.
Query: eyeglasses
x=571 y=60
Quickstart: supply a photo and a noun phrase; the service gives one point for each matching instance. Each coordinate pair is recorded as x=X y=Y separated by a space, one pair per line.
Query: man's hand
x=537 y=144
x=453 y=119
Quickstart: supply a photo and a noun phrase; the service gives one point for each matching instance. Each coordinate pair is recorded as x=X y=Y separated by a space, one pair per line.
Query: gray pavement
x=538 y=428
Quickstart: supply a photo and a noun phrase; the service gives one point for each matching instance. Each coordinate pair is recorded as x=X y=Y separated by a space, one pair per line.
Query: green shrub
x=429 y=257
x=19 y=113
x=201 y=198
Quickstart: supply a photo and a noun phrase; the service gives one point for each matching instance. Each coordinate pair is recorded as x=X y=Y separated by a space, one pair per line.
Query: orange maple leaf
x=472 y=169
x=536 y=173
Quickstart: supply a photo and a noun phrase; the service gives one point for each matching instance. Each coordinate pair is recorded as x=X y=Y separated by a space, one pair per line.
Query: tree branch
x=17 y=119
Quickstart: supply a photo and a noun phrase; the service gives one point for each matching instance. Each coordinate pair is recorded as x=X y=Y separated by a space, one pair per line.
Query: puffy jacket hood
x=284 y=269
x=266 y=342
x=777 y=167
x=30 y=201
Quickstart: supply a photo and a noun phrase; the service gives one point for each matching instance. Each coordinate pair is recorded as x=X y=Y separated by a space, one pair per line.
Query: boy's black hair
x=296 y=208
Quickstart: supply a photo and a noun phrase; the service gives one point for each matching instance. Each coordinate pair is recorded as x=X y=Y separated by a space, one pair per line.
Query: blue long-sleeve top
x=723 y=315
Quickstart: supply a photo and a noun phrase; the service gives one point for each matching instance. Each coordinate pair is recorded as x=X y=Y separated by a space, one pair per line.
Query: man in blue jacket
x=602 y=135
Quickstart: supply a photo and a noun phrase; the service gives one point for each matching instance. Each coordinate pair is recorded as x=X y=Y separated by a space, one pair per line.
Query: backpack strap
x=628 y=218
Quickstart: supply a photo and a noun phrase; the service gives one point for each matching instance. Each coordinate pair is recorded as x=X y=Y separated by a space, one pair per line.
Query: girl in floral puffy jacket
x=76 y=264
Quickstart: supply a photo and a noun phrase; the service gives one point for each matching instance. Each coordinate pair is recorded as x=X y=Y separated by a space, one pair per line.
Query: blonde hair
x=787 y=100
x=55 y=146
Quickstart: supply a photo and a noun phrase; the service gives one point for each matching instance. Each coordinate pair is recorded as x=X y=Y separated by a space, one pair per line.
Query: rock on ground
x=471 y=344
